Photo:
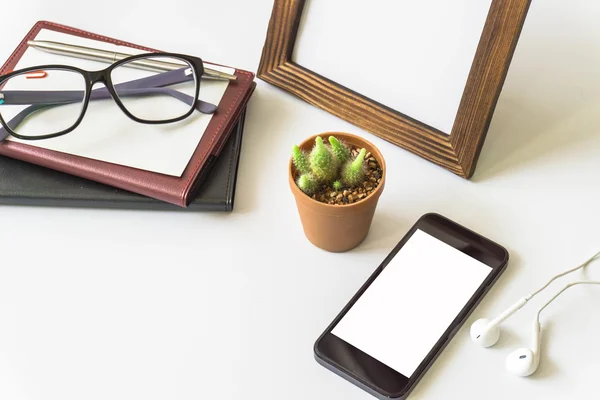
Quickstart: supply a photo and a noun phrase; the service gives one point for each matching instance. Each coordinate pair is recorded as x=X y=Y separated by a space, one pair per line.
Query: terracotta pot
x=337 y=228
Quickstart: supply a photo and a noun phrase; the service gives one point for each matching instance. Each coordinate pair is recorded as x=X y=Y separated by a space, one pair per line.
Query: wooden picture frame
x=457 y=151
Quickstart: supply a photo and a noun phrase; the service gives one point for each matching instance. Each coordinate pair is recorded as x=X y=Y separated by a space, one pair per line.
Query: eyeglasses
x=47 y=101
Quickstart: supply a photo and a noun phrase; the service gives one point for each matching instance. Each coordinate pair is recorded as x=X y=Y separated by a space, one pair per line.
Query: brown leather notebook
x=171 y=189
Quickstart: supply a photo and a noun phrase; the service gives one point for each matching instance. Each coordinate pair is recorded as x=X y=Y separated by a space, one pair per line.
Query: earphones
x=522 y=362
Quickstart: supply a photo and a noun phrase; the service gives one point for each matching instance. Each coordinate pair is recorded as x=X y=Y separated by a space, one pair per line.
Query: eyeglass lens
x=152 y=89
x=154 y=93
x=39 y=107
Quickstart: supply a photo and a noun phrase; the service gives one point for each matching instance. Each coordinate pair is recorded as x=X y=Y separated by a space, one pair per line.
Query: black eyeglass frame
x=104 y=76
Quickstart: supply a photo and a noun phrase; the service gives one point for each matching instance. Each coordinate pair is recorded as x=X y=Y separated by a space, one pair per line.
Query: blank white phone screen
x=406 y=310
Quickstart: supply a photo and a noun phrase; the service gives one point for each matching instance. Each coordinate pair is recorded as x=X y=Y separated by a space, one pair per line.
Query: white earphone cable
x=562 y=290
x=594 y=257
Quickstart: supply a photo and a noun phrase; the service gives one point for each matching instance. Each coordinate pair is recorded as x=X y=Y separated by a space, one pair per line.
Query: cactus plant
x=353 y=172
x=340 y=151
x=300 y=160
x=328 y=164
x=322 y=162
x=308 y=183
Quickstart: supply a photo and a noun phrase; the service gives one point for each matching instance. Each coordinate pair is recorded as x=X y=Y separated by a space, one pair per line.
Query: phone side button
x=454 y=331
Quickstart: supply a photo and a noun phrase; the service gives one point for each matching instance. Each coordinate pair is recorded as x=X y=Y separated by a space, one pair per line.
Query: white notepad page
x=107 y=134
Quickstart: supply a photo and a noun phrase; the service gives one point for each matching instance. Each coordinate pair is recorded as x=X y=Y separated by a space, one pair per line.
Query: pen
x=89 y=53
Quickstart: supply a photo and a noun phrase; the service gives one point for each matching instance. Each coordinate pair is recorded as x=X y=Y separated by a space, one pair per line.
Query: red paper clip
x=36 y=75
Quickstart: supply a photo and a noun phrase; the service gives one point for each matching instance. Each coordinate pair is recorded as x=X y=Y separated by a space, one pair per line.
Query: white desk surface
x=98 y=304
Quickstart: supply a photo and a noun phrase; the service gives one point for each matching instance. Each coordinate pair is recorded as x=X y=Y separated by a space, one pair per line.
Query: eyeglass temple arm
x=57 y=98
x=139 y=87
x=166 y=79
x=150 y=85
x=20 y=117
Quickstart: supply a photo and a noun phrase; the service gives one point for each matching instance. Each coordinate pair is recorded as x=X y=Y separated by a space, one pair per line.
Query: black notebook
x=27 y=184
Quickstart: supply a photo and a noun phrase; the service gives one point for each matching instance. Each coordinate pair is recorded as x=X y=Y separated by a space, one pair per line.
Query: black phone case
x=461 y=318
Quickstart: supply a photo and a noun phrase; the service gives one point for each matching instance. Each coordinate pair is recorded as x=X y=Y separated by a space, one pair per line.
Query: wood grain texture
x=457 y=152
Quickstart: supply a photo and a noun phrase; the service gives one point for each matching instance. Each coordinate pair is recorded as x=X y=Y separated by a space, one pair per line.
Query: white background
x=411 y=303
x=398 y=53
x=153 y=305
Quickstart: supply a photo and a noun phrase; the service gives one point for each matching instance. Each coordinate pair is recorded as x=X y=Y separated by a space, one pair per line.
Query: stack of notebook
x=34 y=174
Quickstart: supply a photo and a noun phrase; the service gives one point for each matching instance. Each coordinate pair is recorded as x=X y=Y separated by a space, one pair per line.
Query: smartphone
x=392 y=330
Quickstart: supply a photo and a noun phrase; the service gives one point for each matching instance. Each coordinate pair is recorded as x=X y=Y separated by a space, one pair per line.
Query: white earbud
x=483 y=333
x=486 y=333
x=524 y=362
